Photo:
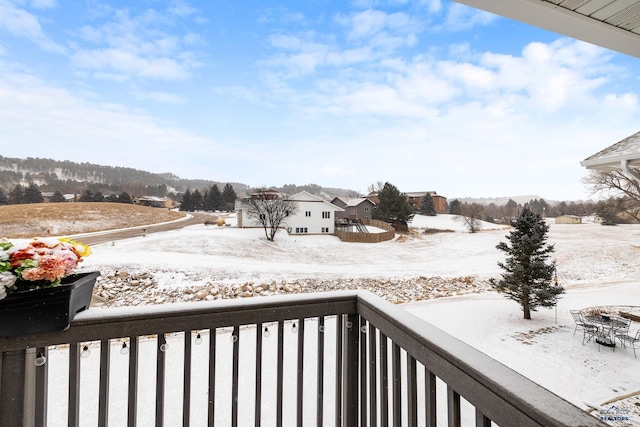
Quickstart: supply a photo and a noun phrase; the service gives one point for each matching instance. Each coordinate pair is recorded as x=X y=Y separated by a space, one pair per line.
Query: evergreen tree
x=228 y=197
x=608 y=211
x=3 y=198
x=87 y=196
x=57 y=197
x=427 y=206
x=216 y=198
x=196 y=200
x=510 y=209
x=393 y=206
x=528 y=276
x=98 y=197
x=207 y=203
x=454 y=207
x=32 y=194
x=124 y=197
x=186 y=205
x=16 y=196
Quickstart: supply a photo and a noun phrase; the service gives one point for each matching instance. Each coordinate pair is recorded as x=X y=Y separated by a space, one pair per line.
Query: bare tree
x=375 y=187
x=617 y=183
x=269 y=210
x=471 y=216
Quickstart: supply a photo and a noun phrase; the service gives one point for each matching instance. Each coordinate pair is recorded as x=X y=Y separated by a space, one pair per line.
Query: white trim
x=549 y=16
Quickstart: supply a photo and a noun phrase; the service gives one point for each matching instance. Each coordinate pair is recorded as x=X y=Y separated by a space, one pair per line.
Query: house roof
x=613 y=24
x=611 y=157
x=353 y=201
x=152 y=199
x=358 y=200
x=305 y=196
x=420 y=193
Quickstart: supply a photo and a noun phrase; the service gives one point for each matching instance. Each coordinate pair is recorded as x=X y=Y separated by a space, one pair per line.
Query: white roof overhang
x=613 y=24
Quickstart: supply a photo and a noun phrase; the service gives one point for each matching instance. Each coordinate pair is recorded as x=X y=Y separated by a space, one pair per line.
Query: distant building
x=568 y=219
x=47 y=195
x=314 y=214
x=415 y=199
x=354 y=208
x=155 y=202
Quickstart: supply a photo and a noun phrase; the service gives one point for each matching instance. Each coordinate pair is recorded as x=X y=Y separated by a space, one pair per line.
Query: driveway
x=192 y=218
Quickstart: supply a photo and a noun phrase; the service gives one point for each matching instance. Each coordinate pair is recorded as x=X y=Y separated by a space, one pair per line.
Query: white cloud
x=20 y=23
x=381 y=29
x=161 y=97
x=44 y=4
x=45 y=121
x=136 y=45
x=460 y=17
x=129 y=63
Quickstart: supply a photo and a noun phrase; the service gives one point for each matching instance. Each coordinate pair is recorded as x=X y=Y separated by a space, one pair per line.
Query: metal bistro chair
x=630 y=340
x=622 y=327
x=589 y=330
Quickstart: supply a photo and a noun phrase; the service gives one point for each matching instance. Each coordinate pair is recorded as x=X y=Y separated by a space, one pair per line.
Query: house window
x=366 y=217
x=326 y=214
x=325 y=229
x=307 y=213
x=262 y=217
x=366 y=208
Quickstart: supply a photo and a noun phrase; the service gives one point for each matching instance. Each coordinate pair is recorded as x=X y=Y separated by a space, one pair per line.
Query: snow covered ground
x=598 y=265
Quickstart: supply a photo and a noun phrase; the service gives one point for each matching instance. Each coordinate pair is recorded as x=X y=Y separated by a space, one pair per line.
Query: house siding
x=307 y=220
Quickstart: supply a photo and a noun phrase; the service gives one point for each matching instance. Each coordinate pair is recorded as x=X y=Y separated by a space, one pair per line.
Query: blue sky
x=428 y=95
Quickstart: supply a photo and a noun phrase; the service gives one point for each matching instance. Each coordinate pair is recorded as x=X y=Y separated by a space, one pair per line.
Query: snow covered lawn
x=597 y=264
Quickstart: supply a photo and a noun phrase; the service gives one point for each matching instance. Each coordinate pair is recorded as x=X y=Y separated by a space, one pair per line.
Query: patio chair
x=624 y=323
x=589 y=331
x=580 y=321
x=630 y=340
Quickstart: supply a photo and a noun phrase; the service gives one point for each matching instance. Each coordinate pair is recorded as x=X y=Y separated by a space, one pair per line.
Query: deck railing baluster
x=160 y=378
x=73 y=414
x=481 y=419
x=258 y=386
x=339 y=370
x=453 y=408
x=235 y=384
x=362 y=329
x=186 y=380
x=211 y=412
x=430 y=398
x=42 y=383
x=412 y=392
x=280 y=379
x=396 y=377
x=103 y=398
x=132 y=413
x=350 y=403
x=373 y=383
x=320 y=374
x=300 y=372
x=384 y=382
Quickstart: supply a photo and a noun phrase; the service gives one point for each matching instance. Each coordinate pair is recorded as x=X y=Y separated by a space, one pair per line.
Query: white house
x=314 y=215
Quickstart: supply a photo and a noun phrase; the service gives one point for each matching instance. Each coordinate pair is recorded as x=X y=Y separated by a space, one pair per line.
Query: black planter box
x=46 y=310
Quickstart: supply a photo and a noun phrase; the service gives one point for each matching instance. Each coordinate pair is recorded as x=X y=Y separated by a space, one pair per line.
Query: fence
x=328 y=359
x=389 y=234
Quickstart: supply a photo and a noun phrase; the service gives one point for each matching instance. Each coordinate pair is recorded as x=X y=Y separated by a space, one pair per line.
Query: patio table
x=606 y=328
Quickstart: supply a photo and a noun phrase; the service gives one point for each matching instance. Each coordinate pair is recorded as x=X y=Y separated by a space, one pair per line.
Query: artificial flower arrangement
x=40 y=263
